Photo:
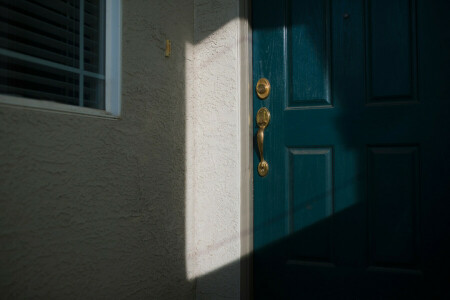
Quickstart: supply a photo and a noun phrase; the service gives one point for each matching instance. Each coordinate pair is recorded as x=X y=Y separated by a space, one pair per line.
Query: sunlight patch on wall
x=212 y=142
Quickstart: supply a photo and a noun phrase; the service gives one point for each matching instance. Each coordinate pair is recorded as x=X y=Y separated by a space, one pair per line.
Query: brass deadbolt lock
x=263 y=88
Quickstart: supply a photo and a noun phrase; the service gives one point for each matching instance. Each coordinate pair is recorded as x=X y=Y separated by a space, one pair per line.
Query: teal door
x=356 y=200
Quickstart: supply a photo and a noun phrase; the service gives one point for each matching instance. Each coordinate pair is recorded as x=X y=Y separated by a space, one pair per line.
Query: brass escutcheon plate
x=263 y=88
x=263 y=117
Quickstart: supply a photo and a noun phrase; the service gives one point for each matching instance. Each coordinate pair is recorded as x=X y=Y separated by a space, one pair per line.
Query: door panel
x=393 y=190
x=391 y=50
x=311 y=200
x=355 y=203
x=309 y=52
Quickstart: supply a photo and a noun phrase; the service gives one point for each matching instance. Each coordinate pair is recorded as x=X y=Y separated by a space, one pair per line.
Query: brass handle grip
x=260 y=140
x=262 y=119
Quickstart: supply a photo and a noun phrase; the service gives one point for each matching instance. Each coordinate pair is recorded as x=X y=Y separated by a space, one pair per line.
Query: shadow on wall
x=93 y=208
x=96 y=208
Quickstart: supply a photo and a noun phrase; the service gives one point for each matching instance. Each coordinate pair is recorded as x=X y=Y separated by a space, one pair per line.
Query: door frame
x=246 y=147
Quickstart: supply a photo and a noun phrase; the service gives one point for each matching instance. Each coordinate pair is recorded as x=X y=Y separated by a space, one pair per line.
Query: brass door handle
x=262 y=120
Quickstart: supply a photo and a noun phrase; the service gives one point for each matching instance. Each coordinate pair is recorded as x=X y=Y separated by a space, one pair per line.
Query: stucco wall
x=214 y=156
x=144 y=207
x=95 y=208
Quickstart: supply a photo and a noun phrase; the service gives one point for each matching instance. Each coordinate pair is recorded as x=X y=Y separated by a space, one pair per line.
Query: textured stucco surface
x=215 y=162
x=93 y=208
x=144 y=207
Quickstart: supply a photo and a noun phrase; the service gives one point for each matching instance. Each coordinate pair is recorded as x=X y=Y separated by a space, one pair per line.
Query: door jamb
x=246 y=137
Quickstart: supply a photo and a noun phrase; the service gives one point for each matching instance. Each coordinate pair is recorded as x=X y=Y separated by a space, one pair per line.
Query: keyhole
x=261 y=88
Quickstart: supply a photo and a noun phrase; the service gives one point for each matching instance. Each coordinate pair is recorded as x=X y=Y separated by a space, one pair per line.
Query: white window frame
x=113 y=37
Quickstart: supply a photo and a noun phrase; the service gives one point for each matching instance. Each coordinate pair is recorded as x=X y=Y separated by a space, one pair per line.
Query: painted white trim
x=112 y=74
x=22 y=102
x=246 y=151
x=113 y=62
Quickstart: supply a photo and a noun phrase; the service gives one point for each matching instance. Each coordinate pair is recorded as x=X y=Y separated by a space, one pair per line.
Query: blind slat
x=43 y=12
x=42 y=75
x=41 y=23
x=64 y=8
x=39 y=40
x=40 y=50
x=17 y=91
x=90 y=9
x=63 y=27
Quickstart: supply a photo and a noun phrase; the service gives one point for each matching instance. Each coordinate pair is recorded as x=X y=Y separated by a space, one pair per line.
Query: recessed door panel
x=391 y=50
x=309 y=47
x=311 y=202
x=393 y=194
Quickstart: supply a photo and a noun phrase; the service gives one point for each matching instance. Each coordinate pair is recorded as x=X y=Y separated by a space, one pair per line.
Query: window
x=61 y=54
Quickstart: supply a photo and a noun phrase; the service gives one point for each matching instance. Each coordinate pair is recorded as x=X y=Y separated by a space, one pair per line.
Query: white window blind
x=54 y=50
